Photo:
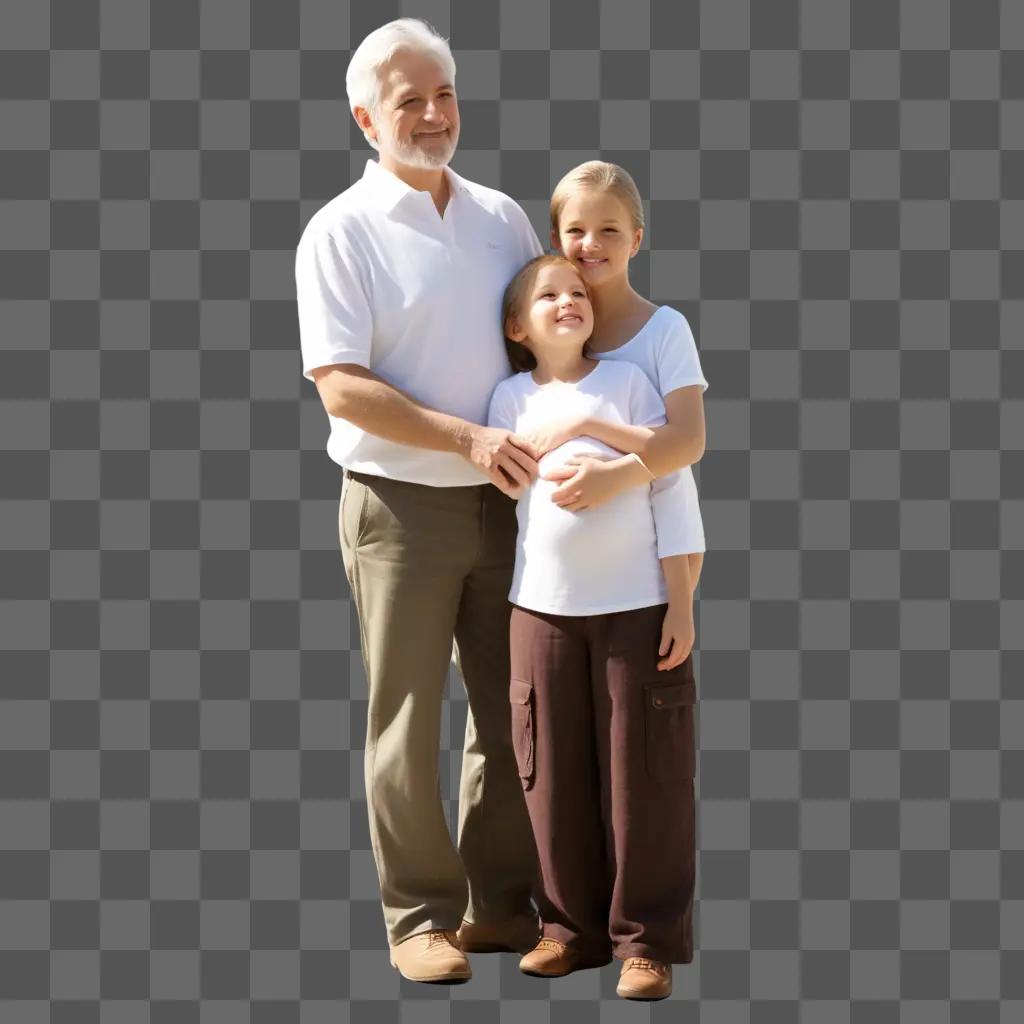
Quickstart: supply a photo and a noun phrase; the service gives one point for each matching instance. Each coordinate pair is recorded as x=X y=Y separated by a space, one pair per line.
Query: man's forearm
x=378 y=407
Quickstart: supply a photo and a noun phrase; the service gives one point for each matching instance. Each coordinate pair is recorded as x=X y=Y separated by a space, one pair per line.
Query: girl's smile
x=557 y=307
x=552 y=318
x=595 y=232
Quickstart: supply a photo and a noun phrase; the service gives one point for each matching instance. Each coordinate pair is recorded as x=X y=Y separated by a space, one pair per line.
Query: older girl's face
x=595 y=231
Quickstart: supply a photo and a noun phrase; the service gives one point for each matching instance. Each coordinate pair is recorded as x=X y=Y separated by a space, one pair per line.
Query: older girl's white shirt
x=665 y=350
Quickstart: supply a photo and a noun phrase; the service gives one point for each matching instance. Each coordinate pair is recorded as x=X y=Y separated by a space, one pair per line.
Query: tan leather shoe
x=644 y=979
x=431 y=956
x=516 y=935
x=553 y=959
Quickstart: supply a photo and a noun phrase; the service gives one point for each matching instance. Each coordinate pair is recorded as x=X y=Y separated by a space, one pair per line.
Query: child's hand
x=586 y=482
x=677 y=635
x=554 y=433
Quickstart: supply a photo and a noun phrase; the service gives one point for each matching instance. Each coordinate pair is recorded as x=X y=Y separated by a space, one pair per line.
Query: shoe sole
x=458 y=978
x=640 y=997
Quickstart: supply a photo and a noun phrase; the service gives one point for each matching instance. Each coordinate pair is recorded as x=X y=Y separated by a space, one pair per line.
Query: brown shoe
x=644 y=979
x=431 y=956
x=516 y=935
x=553 y=959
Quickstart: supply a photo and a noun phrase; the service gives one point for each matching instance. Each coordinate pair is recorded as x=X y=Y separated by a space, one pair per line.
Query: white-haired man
x=399 y=282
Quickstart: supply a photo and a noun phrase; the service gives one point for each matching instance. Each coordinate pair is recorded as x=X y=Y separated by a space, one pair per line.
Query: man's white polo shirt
x=384 y=281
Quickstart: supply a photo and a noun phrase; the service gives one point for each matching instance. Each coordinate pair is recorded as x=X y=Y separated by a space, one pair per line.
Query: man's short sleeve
x=335 y=321
x=678 y=361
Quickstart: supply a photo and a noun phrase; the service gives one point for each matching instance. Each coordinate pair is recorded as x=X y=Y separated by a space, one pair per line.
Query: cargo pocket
x=521 y=698
x=670 y=747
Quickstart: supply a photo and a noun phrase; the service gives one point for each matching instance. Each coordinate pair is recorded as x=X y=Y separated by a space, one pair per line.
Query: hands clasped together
x=511 y=462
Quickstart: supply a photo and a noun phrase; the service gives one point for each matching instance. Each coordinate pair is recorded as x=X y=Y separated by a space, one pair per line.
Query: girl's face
x=555 y=314
x=595 y=231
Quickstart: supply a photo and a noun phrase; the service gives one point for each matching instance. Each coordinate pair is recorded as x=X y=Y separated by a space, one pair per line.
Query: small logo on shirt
x=493 y=245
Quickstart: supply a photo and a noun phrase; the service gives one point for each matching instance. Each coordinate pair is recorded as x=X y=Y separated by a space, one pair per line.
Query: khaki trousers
x=426 y=565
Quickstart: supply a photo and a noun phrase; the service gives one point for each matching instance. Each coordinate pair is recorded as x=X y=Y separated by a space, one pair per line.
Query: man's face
x=417 y=120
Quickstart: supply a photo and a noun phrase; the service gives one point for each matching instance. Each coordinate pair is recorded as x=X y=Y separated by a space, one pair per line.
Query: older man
x=399 y=281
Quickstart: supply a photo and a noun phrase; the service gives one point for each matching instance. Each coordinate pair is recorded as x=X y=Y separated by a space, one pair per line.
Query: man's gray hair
x=362 y=79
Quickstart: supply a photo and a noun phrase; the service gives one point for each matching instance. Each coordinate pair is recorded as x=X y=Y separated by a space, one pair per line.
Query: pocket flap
x=673 y=696
x=520 y=690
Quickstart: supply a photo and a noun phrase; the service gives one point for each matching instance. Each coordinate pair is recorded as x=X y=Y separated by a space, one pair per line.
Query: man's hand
x=588 y=481
x=555 y=432
x=506 y=459
x=677 y=635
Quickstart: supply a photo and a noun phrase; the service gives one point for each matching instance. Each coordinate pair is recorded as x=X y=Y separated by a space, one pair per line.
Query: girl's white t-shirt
x=665 y=350
x=603 y=559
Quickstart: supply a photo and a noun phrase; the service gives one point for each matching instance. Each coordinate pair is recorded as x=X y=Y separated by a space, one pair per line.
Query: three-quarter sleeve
x=677 y=358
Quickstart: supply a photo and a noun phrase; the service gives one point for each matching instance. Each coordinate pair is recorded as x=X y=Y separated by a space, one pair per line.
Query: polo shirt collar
x=391 y=190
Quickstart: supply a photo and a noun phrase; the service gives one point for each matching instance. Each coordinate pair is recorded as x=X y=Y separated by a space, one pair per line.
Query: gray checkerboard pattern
x=836 y=200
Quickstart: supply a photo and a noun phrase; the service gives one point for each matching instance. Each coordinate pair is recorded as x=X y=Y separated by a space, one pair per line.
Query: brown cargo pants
x=605 y=748
x=426 y=564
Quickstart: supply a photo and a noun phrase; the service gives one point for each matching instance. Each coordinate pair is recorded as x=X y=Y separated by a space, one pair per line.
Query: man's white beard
x=411 y=155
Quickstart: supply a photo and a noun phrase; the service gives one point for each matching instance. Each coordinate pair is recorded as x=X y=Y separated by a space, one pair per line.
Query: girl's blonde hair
x=599 y=176
x=518 y=288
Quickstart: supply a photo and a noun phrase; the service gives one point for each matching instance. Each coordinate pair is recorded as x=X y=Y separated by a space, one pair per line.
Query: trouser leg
x=647 y=753
x=553 y=736
x=495 y=840
x=405 y=555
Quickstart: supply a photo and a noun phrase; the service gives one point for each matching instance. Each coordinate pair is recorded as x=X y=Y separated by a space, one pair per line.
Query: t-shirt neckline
x=564 y=383
x=629 y=341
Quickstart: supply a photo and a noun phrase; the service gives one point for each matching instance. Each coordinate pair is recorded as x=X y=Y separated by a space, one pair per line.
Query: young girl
x=602 y=729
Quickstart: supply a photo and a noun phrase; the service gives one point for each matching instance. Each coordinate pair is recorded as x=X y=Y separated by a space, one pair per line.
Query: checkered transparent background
x=836 y=201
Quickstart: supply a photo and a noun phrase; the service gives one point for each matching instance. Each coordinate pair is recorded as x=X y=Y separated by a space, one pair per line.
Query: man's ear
x=365 y=122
